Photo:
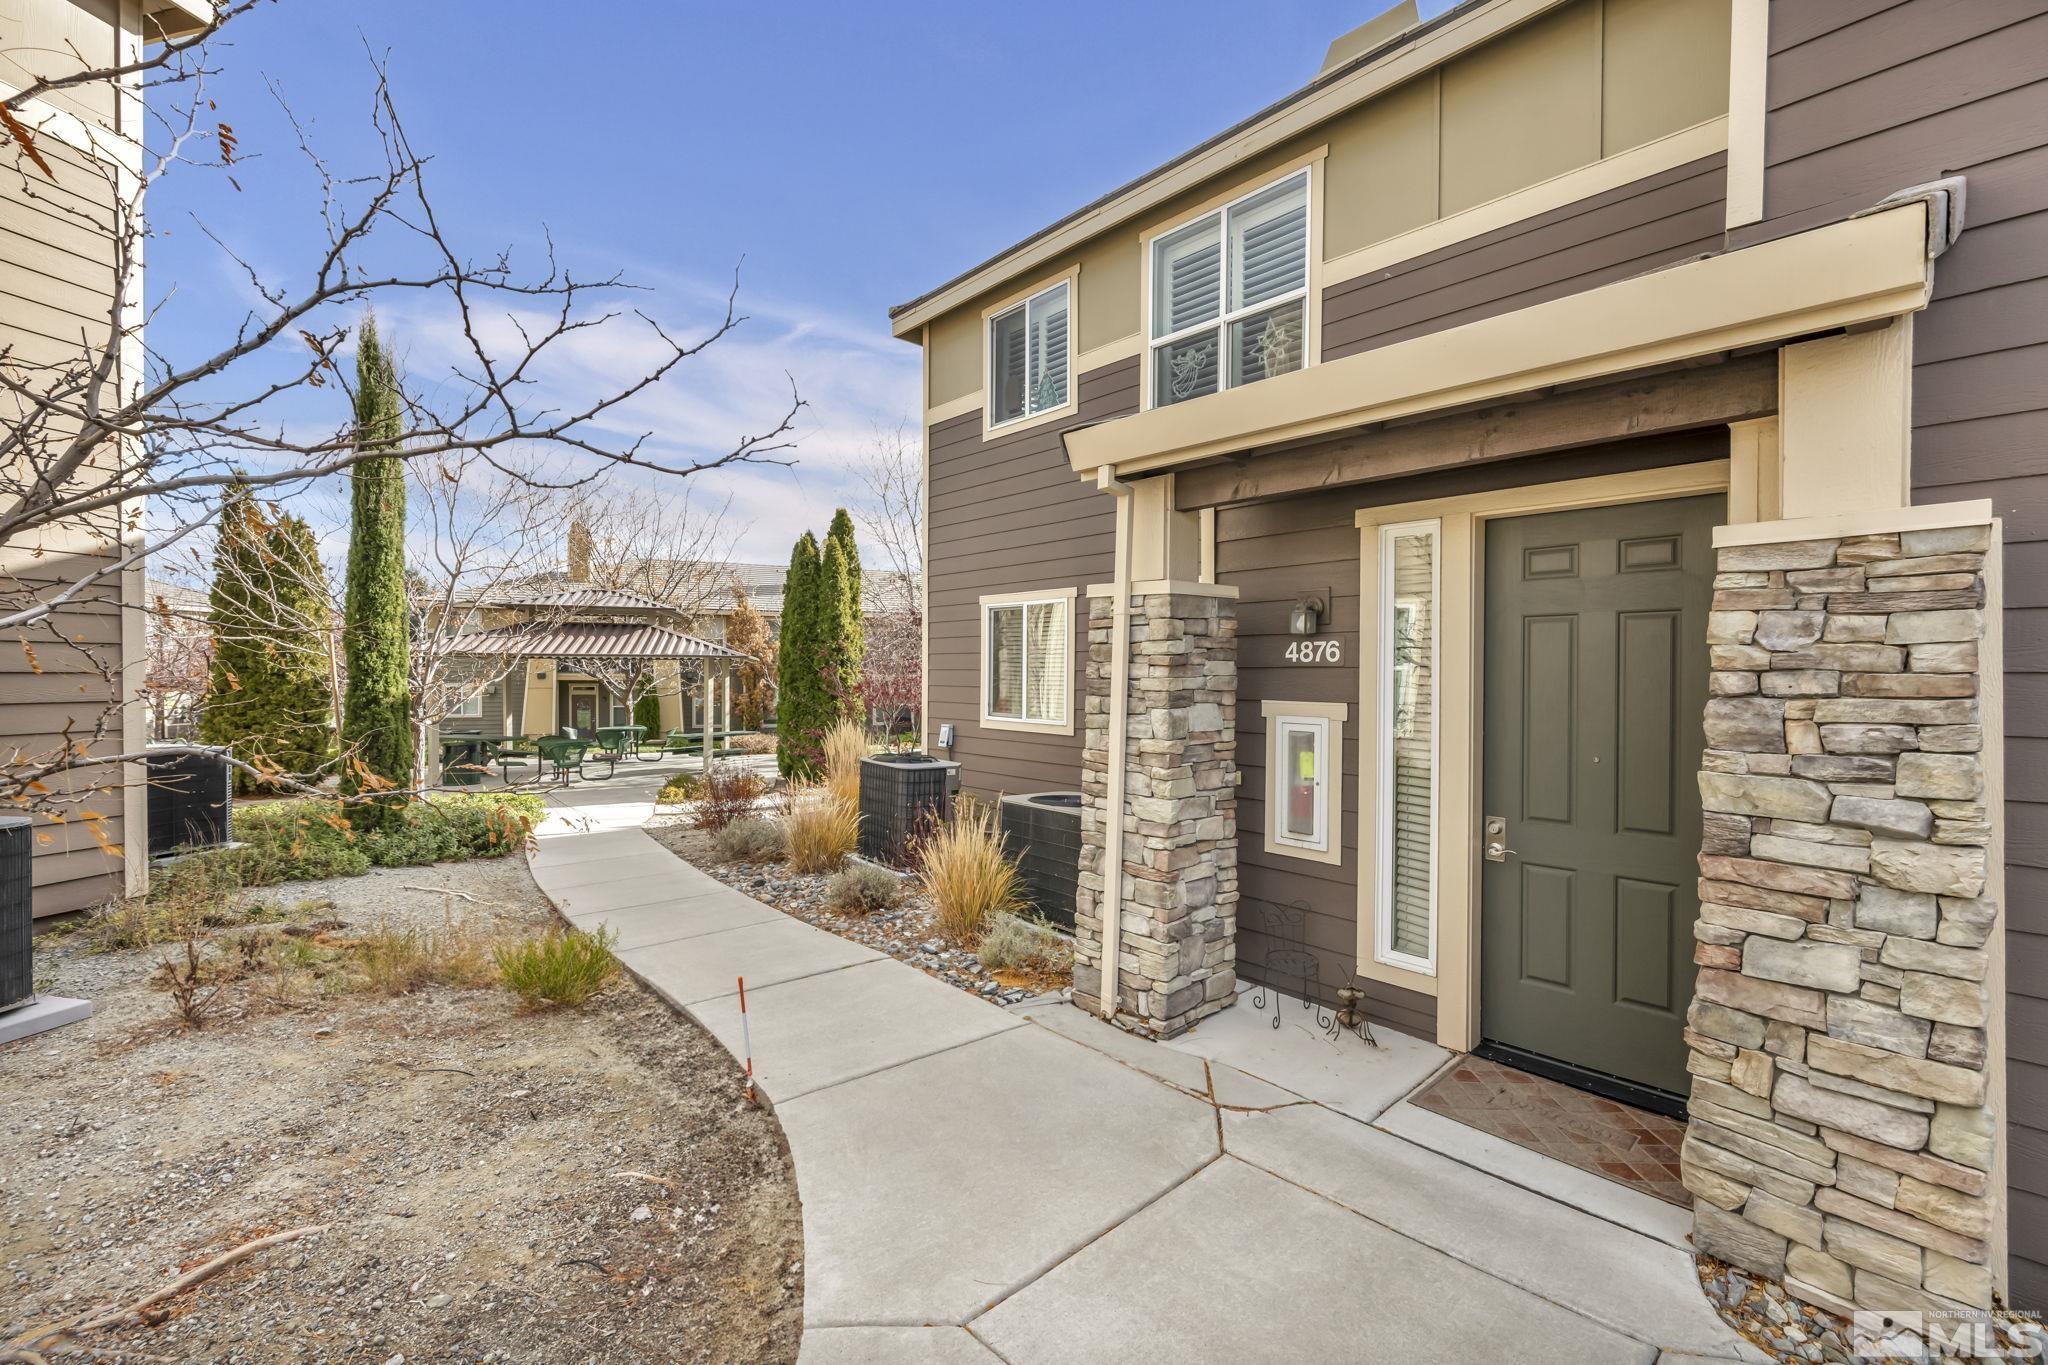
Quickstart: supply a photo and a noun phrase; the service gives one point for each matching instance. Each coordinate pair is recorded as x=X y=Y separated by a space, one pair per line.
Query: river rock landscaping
x=907 y=931
x=495 y=1183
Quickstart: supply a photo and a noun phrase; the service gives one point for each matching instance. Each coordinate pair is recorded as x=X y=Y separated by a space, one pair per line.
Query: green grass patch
x=557 y=968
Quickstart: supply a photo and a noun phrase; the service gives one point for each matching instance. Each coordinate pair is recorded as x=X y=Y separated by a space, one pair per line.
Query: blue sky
x=853 y=155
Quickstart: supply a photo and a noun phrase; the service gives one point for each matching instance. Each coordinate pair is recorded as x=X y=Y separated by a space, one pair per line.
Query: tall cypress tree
x=838 y=637
x=851 y=649
x=267 y=697
x=376 y=719
x=803 y=700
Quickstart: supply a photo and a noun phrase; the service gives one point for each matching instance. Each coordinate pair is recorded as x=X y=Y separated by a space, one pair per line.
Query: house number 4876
x=1325 y=651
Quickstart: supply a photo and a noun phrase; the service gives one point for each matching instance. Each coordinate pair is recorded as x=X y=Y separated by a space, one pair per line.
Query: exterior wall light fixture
x=1305 y=617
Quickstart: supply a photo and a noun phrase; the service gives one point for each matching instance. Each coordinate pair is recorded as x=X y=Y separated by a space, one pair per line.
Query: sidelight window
x=1406 y=679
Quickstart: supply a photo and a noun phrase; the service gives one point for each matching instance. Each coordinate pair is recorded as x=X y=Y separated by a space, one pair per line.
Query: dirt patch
x=481 y=1167
x=908 y=932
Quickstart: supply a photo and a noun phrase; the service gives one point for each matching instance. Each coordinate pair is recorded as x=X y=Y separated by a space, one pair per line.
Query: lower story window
x=1407 y=687
x=1027 y=660
x=470 y=707
x=1305 y=779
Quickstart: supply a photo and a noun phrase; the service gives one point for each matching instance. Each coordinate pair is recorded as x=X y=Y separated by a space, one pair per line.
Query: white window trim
x=1071 y=278
x=1311 y=294
x=1329 y=718
x=470 y=707
x=1065 y=724
x=1384 y=610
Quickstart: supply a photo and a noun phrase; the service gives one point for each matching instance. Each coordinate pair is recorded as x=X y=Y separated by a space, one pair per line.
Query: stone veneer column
x=1177 y=944
x=1841 y=1128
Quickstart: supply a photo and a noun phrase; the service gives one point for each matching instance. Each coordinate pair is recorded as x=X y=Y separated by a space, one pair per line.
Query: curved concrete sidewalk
x=1036 y=1187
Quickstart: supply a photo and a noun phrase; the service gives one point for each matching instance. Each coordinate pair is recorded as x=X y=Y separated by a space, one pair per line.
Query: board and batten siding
x=1864 y=99
x=1276 y=552
x=1010 y=515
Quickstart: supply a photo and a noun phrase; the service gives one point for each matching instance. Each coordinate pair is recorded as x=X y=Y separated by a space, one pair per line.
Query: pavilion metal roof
x=591 y=640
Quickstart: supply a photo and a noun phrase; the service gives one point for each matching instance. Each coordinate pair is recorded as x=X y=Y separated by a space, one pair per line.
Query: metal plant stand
x=1287 y=957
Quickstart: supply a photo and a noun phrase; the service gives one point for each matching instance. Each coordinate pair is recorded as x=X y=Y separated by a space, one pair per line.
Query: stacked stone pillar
x=1176 y=939
x=1843 y=1120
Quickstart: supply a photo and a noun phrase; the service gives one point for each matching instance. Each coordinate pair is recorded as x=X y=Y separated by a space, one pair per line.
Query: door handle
x=1495 y=833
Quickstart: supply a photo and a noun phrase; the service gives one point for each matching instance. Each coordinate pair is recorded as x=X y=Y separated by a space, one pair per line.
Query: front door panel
x=1595 y=677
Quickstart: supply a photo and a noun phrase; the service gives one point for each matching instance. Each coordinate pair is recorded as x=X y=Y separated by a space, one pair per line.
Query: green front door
x=1596 y=676
x=583 y=708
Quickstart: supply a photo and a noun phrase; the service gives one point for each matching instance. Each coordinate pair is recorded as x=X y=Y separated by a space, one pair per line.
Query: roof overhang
x=174 y=19
x=1402 y=58
x=1855 y=273
x=589 y=640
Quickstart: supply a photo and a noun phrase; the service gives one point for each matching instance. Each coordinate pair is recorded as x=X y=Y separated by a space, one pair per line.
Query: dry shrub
x=820 y=830
x=729 y=794
x=194 y=981
x=1015 y=943
x=397 y=960
x=845 y=745
x=680 y=788
x=863 y=888
x=752 y=744
x=962 y=868
x=558 y=968
x=749 y=840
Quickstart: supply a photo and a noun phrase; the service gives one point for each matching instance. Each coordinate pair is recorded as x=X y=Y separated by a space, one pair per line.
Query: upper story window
x=1027 y=357
x=1230 y=294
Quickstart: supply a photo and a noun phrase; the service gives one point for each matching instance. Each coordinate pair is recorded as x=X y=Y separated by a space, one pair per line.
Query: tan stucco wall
x=1587 y=80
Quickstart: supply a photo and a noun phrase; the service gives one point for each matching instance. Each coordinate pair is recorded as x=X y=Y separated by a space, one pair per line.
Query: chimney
x=579 y=552
x=1369 y=35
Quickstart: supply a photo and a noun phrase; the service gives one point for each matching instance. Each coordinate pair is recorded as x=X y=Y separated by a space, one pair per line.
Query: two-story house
x=1543 y=523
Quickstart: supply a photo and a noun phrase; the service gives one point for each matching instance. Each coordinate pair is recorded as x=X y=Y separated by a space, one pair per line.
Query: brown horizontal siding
x=1866 y=99
x=1008 y=514
x=1605 y=237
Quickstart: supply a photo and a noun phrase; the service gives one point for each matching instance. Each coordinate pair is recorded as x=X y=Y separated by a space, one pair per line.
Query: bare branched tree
x=180 y=653
x=477 y=531
x=890 y=512
x=671 y=548
x=112 y=450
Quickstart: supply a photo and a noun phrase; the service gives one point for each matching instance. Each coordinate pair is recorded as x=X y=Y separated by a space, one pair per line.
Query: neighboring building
x=1550 y=457
x=58 y=285
x=553 y=656
x=179 y=650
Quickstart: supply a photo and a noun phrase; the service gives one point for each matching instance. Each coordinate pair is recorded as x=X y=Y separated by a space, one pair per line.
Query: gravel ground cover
x=907 y=932
x=497 y=1185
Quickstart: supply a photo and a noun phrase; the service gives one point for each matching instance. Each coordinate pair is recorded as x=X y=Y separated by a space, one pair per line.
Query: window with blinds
x=1027 y=357
x=1408 y=745
x=1230 y=294
x=1025 y=675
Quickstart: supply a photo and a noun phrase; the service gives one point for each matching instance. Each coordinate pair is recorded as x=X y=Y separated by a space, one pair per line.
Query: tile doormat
x=1629 y=1146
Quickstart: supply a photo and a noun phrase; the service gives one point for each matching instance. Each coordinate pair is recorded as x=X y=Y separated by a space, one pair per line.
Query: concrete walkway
x=1036 y=1187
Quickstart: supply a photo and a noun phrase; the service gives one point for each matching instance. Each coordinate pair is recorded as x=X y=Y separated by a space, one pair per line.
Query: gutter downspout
x=1119 y=722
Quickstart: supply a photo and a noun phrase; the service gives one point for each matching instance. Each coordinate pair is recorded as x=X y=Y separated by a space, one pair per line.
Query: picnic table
x=568 y=755
x=616 y=740
x=506 y=750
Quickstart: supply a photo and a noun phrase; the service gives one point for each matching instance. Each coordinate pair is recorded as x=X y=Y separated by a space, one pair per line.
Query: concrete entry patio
x=1035 y=1185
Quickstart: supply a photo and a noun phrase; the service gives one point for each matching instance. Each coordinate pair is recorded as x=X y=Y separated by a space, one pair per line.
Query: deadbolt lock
x=1495 y=832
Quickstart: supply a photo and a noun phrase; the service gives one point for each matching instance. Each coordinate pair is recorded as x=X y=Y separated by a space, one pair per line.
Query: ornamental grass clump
x=1018 y=943
x=846 y=744
x=863 y=888
x=962 y=869
x=750 y=840
x=820 y=829
x=561 y=968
